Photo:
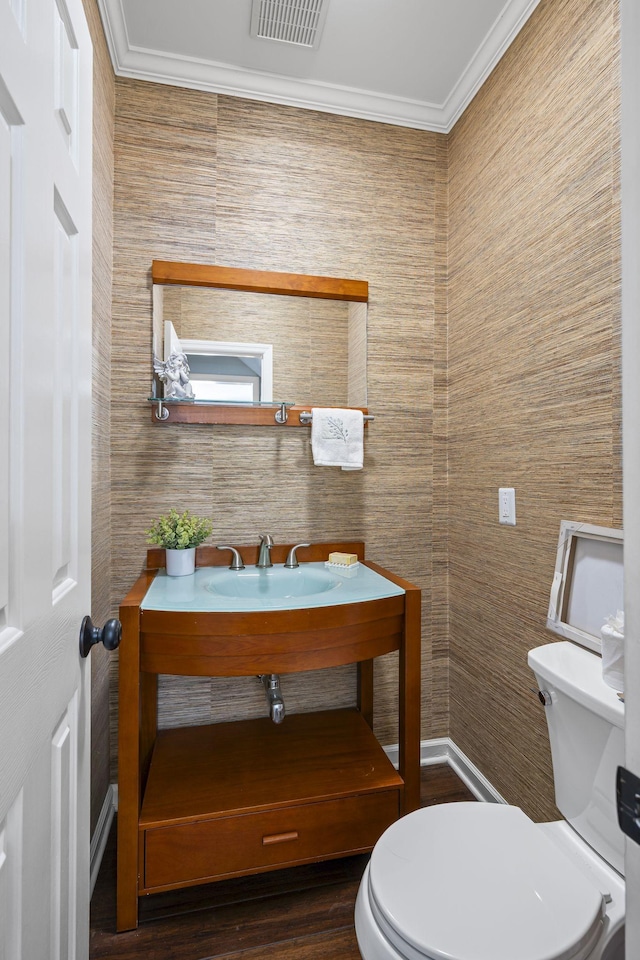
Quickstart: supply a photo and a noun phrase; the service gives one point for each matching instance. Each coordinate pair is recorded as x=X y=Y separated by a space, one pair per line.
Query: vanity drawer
x=221 y=847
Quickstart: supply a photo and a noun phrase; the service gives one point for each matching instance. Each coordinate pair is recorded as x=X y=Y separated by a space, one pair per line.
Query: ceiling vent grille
x=291 y=21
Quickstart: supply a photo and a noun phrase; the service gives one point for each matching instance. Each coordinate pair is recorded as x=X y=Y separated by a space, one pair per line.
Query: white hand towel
x=337 y=438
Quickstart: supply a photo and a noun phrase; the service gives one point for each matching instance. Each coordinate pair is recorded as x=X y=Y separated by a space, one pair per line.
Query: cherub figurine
x=175 y=373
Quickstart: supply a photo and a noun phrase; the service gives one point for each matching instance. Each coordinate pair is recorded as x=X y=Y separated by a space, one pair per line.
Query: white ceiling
x=414 y=63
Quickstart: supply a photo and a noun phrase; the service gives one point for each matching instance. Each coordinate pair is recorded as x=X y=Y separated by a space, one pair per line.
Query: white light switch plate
x=507 y=505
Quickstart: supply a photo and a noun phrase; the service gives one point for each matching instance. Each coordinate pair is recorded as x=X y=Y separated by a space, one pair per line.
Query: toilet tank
x=585 y=718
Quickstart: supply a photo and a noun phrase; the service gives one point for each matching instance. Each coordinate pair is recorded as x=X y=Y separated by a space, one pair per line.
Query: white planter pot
x=180 y=563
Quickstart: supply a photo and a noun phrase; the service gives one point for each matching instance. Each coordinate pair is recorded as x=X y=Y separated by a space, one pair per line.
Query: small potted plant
x=179 y=534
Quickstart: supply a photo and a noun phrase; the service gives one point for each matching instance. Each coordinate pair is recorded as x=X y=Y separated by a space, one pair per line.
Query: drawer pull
x=279 y=837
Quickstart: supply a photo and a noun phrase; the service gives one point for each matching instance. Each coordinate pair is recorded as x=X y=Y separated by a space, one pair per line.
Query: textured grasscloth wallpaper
x=534 y=366
x=221 y=180
x=493 y=340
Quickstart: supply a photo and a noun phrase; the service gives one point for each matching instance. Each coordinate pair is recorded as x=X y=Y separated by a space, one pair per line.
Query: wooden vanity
x=204 y=803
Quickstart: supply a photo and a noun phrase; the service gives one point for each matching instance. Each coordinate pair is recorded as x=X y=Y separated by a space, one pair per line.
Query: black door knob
x=109 y=635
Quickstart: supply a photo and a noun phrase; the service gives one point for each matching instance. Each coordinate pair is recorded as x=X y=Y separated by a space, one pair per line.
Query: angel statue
x=174 y=372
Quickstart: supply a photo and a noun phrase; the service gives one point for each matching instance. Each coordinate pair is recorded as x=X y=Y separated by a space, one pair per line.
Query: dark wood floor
x=304 y=913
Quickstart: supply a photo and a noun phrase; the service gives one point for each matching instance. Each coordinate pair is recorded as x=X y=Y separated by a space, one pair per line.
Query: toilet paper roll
x=613 y=652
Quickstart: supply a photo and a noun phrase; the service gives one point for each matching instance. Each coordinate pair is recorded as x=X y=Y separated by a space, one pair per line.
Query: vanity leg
x=128 y=769
x=148 y=723
x=409 y=703
x=365 y=690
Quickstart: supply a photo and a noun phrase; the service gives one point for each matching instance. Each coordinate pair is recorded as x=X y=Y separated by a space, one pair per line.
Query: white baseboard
x=101 y=834
x=444 y=750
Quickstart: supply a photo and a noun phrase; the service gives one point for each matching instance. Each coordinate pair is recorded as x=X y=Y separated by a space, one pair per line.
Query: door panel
x=10 y=887
x=45 y=434
x=7 y=190
x=630 y=27
x=62 y=408
x=63 y=829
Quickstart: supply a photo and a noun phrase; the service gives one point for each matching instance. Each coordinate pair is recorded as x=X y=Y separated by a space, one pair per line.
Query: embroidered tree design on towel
x=335 y=429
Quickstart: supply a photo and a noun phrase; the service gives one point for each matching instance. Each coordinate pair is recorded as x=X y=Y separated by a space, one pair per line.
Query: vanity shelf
x=204 y=803
x=276 y=799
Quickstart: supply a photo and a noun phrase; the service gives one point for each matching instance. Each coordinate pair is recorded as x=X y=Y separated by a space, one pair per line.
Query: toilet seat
x=476 y=880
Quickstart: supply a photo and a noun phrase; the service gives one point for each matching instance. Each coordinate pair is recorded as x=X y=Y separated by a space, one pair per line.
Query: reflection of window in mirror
x=225 y=389
x=226 y=372
x=230 y=372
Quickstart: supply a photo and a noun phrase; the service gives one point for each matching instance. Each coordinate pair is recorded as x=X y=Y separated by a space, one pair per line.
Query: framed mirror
x=253 y=341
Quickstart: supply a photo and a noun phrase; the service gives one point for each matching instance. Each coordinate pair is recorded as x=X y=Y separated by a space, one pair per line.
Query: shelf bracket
x=162 y=413
x=281 y=414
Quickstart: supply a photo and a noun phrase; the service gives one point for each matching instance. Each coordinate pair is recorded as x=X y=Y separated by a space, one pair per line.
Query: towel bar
x=307 y=417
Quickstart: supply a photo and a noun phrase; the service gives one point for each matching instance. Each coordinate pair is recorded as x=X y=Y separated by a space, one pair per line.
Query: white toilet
x=481 y=881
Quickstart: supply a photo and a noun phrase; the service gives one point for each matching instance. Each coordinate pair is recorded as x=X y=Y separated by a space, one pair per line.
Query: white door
x=630 y=20
x=45 y=467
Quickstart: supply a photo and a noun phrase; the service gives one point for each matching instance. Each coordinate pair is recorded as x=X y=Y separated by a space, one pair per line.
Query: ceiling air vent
x=291 y=21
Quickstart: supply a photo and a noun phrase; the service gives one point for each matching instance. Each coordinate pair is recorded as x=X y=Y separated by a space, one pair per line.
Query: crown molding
x=499 y=38
x=139 y=63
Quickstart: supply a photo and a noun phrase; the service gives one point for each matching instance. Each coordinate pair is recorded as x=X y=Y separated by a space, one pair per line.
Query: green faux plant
x=179 y=531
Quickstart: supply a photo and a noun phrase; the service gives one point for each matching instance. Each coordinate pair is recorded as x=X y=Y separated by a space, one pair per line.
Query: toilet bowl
x=481 y=881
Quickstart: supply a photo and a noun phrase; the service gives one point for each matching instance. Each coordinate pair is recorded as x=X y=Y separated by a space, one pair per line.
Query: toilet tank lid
x=460 y=880
x=577 y=673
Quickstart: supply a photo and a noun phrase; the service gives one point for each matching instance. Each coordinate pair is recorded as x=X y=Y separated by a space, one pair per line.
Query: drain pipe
x=273 y=693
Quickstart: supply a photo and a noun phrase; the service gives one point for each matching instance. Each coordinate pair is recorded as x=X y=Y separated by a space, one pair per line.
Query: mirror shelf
x=234 y=414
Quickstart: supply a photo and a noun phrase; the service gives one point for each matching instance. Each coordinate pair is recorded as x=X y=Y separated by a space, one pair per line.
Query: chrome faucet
x=236 y=561
x=264 y=556
x=292 y=561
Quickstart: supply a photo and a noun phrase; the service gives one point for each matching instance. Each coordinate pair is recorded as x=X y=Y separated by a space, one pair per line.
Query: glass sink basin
x=220 y=590
x=273 y=583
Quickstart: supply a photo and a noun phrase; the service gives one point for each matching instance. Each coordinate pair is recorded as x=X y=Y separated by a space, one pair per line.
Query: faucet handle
x=266 y=538
x=236 y=561
x=292 y=561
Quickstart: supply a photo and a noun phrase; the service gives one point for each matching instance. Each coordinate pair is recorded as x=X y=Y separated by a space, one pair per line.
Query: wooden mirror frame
x=255 y=281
